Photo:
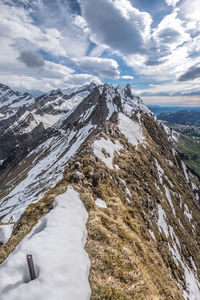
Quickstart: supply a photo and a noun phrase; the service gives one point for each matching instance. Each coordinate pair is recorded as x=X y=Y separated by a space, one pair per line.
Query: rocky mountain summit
x=89 y=177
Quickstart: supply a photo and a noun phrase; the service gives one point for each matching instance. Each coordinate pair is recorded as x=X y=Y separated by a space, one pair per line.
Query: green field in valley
x=188 y=145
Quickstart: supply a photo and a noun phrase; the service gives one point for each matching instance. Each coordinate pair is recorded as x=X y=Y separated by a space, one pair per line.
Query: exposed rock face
x=15 y=147
x=144 y=242
x=11 y=102
x=26 y=118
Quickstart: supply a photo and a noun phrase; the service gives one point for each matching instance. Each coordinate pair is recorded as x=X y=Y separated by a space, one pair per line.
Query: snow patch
x=1 y=162
x=131 y=130
x=100 y=203
x=161 y=220
x=61 y=263
x=185 y=171
x=173 y=236
x=110 y=149
x=193 y=286
x=170 y=162
x=126 y=188
x=160 y=171
x=193 y=264
x=87 y=114
x=47 y=119
x=197 y=196
x=152 y=234
x=167 y=193
x=187 y=212
x=5 y=232
x=109 y=102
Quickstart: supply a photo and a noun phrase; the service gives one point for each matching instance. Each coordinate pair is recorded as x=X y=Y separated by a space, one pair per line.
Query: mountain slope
x=24 y=129
x=143 y=224
x=11 y=101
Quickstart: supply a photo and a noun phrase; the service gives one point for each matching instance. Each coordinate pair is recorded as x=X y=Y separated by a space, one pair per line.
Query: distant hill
x=185 y=117
x=157 y=110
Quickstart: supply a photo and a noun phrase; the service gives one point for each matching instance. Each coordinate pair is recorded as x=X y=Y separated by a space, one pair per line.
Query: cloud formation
x=172 y=2
x=117 y=24
x=31 y=59
x=127 y=77
x=191 y=74
x=103 y=67
x=50 y=44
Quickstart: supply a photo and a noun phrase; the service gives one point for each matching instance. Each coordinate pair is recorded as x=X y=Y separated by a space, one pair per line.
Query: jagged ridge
x=145 y=241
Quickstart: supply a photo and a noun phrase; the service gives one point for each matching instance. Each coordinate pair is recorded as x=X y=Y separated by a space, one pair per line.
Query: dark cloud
x=31 y=59
x=154 y=62
x=168 y=35
x=109 y=26
x=192 y=73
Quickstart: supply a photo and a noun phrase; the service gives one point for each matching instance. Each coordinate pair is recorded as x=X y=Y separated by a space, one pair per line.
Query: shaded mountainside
x=143 y=228
x=23 y=127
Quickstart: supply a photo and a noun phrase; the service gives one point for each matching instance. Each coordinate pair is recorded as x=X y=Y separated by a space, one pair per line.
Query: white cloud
x=161 y=54
x=174 y=56
x=171 y=88
x=172 y=2
x=170 y=33
x=16 y=26
x=27 y=83
x=47 y=83
x=80 y=22
x=79 y=79
x=189 y=12
x=39 y=32
x=103 y=67
x=54 y=70
x=21 y=65
x=128 y=77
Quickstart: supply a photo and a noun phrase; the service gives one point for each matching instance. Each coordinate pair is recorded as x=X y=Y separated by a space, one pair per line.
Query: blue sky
x=152 y=44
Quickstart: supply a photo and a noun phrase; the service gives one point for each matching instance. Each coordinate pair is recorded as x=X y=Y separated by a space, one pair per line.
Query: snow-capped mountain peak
x=11 y=101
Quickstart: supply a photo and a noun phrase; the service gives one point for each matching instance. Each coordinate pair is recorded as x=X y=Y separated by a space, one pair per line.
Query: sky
x=154 y=45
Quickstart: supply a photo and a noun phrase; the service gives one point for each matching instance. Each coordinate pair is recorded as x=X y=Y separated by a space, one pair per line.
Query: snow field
x=57 y=245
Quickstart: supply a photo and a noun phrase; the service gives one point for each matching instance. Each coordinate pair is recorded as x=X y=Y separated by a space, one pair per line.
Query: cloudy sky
x=152 y=44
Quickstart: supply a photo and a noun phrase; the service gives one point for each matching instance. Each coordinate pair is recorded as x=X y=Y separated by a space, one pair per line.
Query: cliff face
x=143 y=228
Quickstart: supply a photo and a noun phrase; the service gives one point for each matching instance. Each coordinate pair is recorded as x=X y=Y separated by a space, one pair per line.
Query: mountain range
x=92 y=187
